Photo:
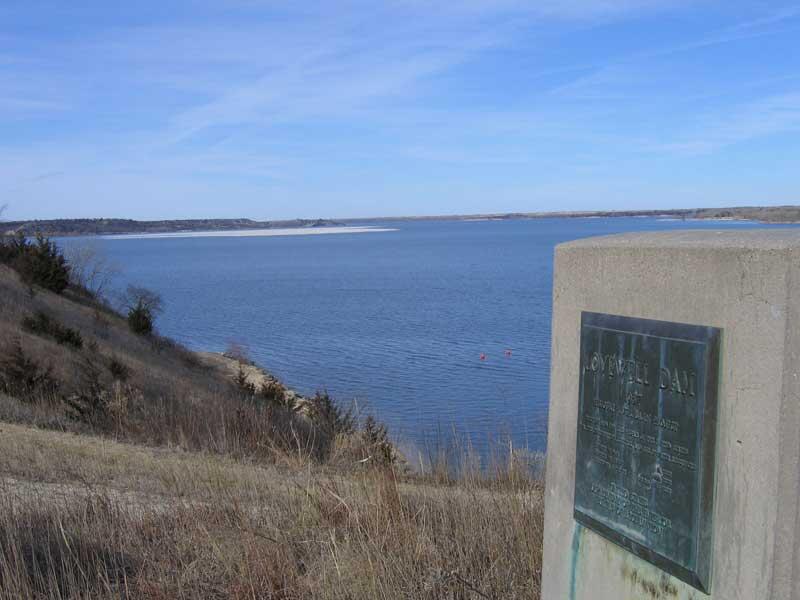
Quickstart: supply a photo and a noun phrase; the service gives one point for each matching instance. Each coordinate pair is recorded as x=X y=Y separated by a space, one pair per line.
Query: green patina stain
x=663 y=589
x=577 y=536
x=648 y=582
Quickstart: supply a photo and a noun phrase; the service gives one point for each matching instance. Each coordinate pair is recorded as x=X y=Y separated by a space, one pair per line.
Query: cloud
x=273 y=62
x=745 y=30
x=771 y=115
x=637 y=68
x=251 y=95
x=324 y=62
x=49 y=175
x=28 y=105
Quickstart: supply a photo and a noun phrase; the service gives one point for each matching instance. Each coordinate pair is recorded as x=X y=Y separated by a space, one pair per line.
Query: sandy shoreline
x=252 y=232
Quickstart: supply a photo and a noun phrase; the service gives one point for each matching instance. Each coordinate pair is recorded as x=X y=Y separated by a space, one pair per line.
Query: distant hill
x=764 y=214
x=76 y=227
x=73 y=227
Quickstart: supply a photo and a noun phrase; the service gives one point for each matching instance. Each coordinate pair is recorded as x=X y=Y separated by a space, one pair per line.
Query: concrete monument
x=673 y=462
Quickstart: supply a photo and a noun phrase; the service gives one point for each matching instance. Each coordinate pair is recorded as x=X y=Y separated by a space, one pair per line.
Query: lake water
x=436 y=327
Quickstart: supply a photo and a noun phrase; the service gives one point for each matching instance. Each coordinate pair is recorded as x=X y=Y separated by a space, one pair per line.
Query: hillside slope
x=69 y=362
x=157 y=366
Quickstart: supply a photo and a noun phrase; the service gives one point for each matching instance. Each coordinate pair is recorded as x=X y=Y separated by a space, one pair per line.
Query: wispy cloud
x=777 y=114
x=745 y=30
x=600 y=78
x=331 y=62
x=251 y=96
x=28 y=105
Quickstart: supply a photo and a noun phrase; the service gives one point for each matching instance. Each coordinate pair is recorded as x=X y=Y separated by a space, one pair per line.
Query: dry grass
x=84 y=517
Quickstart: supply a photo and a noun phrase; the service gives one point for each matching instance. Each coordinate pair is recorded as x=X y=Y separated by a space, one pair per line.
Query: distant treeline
x=765 y=214
x=70 y=227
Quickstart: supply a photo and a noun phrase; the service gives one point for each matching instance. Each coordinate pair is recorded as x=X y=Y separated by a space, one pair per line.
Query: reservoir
x=439 y=328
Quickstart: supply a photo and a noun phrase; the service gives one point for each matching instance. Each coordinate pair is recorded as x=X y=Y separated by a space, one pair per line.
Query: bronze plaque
x=646 y=434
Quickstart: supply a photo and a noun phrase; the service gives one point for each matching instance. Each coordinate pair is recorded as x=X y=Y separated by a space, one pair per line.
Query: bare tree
x=90 y=268
x=238 y=352
x=141 y=297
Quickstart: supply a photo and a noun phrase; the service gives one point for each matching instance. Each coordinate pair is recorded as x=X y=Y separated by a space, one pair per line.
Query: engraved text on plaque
x=646 y=434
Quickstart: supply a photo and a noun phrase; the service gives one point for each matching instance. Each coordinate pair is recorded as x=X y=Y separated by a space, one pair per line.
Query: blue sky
x=228 y=108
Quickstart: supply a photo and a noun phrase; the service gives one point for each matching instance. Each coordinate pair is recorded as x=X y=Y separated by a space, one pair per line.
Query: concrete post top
x=746 y=282
x=707 y=239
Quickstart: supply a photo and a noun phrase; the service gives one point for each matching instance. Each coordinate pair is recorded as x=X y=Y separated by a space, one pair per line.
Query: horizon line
x=495 y=215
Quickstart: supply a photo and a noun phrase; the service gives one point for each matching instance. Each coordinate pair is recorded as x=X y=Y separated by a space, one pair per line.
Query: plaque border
x=699 y=578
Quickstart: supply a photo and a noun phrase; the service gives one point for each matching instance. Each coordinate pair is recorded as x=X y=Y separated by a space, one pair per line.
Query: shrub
x=22 y=377
x=38 y=263
x=376 y=437
x=330 y=416
x=89 y=403
x=243 y=384
x=118 y=369
x=140 y=320
x=11 y=247
x=41 y=324
x=273 y=392
x=143 y=305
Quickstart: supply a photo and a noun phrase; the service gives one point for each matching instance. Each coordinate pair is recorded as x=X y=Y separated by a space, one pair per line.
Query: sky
x=309 y=109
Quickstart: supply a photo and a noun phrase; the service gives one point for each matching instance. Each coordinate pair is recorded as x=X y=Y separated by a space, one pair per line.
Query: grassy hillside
x=131 y=467
x=146 y=389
